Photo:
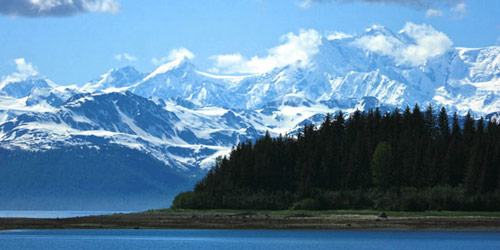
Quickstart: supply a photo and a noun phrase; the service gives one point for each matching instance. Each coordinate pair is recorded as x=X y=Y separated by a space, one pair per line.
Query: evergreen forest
x=410 y=160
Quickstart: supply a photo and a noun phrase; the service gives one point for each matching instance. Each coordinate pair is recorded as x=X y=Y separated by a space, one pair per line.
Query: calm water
x=244 y=239
x=53 y=214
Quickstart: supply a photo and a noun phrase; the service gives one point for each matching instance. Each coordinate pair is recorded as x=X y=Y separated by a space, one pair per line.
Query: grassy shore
x=334 y=212
x=285 y=219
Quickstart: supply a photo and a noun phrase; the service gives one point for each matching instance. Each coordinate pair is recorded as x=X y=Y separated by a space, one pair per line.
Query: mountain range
x=178 y=119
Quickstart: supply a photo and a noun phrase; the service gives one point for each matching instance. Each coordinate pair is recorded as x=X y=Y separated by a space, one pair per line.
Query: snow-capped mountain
x=181 y=138
x=342 y=72
x=182 y=118
x=180 y=78
x=21 y=87
x=114 y=79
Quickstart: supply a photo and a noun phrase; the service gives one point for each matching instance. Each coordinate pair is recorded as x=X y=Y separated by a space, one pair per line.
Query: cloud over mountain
x=294 y=47
x=25 y=67
x=174 y=55
x=24 y=71
x=420 y=4
x=40 y=8
x=414 y=45
x=426 y=43
x=125 y=56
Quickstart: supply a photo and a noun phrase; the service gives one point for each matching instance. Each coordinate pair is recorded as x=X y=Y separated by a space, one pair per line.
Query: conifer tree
x=430 y=121
x=454 y=157
x=382 y=166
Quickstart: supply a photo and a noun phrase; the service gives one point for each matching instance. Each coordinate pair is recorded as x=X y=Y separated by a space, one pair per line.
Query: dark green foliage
x=184 y=199
x=384 y=173
x=408 y=161
x=307 y=204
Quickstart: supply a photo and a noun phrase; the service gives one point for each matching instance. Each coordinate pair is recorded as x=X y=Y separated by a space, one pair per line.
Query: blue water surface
x=245 y=239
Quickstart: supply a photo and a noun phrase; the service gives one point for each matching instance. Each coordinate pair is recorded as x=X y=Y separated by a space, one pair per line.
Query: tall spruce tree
x=383 y=170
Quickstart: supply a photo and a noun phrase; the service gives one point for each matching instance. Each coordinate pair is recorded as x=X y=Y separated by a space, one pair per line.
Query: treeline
x=410 y=160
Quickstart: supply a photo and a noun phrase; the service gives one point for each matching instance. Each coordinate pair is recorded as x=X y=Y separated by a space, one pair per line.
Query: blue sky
x=74 y=45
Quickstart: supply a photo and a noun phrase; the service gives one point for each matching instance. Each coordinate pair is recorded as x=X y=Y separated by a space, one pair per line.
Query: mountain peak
x=181 y=64
x=379 y=30
x=115 y=78
x=126 y=69
x=19 y=87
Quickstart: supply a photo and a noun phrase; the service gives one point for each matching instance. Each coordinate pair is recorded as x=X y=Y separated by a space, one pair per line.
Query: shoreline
x=250 y=220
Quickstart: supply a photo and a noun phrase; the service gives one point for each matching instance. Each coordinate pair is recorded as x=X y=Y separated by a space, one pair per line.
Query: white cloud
x=380 y=44
x=174 y=55
x=460 y=10
x=294 y=48
x=125 y=56
x=433 y=13
x=24 y=71
x=110 y=6
x=228 y=63
x=25 y=68
x=306 y=4
x=337 y=35
x=417 y=4
x=38 y=8
x=179 y=54
x=426 y=43
x=429 y=43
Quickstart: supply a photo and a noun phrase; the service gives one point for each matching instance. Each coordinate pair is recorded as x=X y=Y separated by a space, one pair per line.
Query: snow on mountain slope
x=20 y=85
x=132 y=121
x=179 y=78
x=19 y=89
x=181 y=137
x=114 y=79
x=473 y=81
x=192 y=116
x=345 y=71
x=40 y=99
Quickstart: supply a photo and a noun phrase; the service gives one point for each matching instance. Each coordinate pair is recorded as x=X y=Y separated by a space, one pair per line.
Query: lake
x=245 y=239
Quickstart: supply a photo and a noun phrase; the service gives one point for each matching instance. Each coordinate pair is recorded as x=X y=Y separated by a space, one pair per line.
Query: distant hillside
x=108 y=177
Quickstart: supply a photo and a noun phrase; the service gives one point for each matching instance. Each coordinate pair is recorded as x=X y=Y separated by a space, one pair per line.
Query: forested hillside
x=410 y=160
x=109 y=178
